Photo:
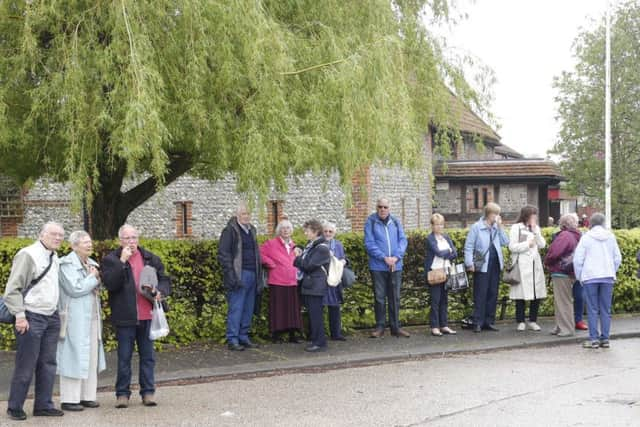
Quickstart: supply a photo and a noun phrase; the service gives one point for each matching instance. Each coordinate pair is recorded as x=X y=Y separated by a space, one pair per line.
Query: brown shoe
x=147 y=400
x=401 y=333
x=122 y=402
x=377 y=333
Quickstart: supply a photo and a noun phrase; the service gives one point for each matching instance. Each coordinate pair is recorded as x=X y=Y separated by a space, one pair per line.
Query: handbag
x=348 y=277
x=5 y=314
x=511 y=273
x=437 y=276
x=478 y=257
x=458 y=280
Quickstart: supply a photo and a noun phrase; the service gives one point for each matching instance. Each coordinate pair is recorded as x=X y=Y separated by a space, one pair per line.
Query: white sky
x=526 y=43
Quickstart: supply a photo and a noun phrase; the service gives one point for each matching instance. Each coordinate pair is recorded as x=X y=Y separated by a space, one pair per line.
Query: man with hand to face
x=131 y=311
x=31 y=296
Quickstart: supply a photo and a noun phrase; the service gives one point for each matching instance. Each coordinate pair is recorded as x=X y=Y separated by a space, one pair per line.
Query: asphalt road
x=556 y=386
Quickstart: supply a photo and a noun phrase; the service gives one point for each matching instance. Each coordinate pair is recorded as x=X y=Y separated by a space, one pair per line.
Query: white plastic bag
x=159 y=325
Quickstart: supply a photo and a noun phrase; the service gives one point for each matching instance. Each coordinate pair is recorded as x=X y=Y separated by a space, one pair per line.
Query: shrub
x=198 y=306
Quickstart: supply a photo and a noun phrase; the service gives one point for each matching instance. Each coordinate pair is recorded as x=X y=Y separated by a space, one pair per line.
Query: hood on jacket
x=599 y=233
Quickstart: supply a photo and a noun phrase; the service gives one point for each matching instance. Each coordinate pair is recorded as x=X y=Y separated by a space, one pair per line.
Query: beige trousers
x=73 y=390
x=563 y=304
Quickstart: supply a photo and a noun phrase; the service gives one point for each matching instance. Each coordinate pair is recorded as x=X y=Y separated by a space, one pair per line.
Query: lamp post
x=607 y=118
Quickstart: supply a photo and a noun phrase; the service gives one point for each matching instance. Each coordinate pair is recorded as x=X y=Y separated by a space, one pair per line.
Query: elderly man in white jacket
x=596 y=261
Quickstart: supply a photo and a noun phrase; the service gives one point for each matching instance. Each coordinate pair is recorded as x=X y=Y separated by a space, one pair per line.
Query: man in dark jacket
x=239 y=256
x=131 y=311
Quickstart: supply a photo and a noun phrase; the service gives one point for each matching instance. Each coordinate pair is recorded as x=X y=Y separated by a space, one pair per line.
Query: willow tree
x=93 y=92
x=581 y=104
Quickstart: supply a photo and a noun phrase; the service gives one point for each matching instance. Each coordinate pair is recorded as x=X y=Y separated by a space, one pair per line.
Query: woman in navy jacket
x=440 y=253
x=313 y=262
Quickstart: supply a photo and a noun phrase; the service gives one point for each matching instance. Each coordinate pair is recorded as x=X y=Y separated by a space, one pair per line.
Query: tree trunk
x=111 y=207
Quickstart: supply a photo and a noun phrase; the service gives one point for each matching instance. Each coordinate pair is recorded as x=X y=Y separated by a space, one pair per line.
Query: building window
x=485 y=196
x=476 y=199
x=275 y=213
x=10 y=203
x=183 y=219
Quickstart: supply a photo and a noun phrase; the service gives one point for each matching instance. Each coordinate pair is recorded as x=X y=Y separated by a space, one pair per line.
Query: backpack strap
x=39 y=278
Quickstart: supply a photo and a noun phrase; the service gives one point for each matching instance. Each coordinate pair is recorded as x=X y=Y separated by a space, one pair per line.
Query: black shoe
x=72 y=407
x=16 y=414
x=490 y=328
x=315 y=348
x=52 y=412
x=339 y=338
x=249 y=344
x=89 y=403
x=295 y=340
x=477 y=328
x=235 y=347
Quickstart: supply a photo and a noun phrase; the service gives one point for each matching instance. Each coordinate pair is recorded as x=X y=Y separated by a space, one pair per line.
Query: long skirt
x=284 y=308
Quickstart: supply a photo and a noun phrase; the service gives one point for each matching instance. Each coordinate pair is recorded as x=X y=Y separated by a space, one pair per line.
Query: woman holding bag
x=440 y=253
x=80 y=352
x=525 y=242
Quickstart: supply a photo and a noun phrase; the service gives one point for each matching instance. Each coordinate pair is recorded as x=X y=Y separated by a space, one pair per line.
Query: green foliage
x=262 y=89
x=581 y=104
x=198 y=306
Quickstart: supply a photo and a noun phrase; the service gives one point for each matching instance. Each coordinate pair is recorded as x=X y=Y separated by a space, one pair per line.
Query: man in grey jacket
x=37 y=324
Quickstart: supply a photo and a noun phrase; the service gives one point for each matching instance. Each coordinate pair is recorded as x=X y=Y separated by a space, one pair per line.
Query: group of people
x=58 y=326
x=578 y=265
x=56 y=302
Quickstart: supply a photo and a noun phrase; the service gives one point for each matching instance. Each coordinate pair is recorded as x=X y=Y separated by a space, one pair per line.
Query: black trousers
x=534 y=305
x=335 y=321
x=485 y=292
x=316 y=320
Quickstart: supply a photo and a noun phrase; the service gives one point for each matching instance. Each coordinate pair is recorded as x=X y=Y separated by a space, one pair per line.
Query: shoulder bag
x=5 y=314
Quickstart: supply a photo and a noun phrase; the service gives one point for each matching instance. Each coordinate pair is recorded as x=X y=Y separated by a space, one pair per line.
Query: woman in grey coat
x=80 y=351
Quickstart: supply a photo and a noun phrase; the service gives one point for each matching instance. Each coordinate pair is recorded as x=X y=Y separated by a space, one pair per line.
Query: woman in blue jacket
x=440 y=253
x=80 y=352
x=483 y=256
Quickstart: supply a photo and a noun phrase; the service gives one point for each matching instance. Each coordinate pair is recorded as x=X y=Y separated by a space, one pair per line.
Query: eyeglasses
x=328 y=231
x=383 y=207
x=129 y=238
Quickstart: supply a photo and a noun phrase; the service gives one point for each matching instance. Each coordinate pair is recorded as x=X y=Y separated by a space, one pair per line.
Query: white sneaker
x=534 y=326
x=521 y=327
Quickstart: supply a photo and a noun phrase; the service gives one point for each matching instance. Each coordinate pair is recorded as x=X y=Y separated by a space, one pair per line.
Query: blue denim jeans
x=127 y=337
x=598 y=297
x=35 y=352
x=386 y=286
x=578 y=300
x=240 y=303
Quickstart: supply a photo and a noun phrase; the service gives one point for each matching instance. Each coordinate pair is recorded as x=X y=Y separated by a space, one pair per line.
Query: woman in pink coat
x=284 y=302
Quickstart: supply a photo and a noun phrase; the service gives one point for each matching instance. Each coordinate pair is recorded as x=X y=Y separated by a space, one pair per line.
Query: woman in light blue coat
x=80 y=351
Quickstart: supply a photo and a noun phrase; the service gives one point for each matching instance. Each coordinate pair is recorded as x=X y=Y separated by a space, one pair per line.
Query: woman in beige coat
x=525 y=242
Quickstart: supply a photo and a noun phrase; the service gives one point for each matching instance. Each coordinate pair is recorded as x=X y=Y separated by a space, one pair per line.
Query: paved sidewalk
x=215 y=362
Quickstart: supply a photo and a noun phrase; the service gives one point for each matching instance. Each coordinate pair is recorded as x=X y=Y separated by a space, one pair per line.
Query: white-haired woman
x=284 y=302
x=334 y=298
x=80 y=352
x=559 y=262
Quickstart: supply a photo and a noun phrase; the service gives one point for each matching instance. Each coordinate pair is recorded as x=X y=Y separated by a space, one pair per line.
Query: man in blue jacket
x=386 y=244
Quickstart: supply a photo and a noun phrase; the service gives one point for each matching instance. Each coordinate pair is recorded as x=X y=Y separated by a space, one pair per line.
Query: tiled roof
x=506 y=150
x=470 y=122
x=501 y=169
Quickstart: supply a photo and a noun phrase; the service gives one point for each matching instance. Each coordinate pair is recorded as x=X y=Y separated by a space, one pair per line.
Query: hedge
x=198 y=306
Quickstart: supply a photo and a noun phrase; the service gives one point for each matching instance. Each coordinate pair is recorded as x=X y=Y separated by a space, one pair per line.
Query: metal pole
x=607 y=119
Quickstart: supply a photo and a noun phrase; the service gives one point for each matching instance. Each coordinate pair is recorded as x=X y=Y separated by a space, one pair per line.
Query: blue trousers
x=439 y=306
x=35 y=352
x=578 y=301
x=485 y=294
x=599 y=308
x=240 y=303
x=316 y=320
x=127 y=337
x=386 y=287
